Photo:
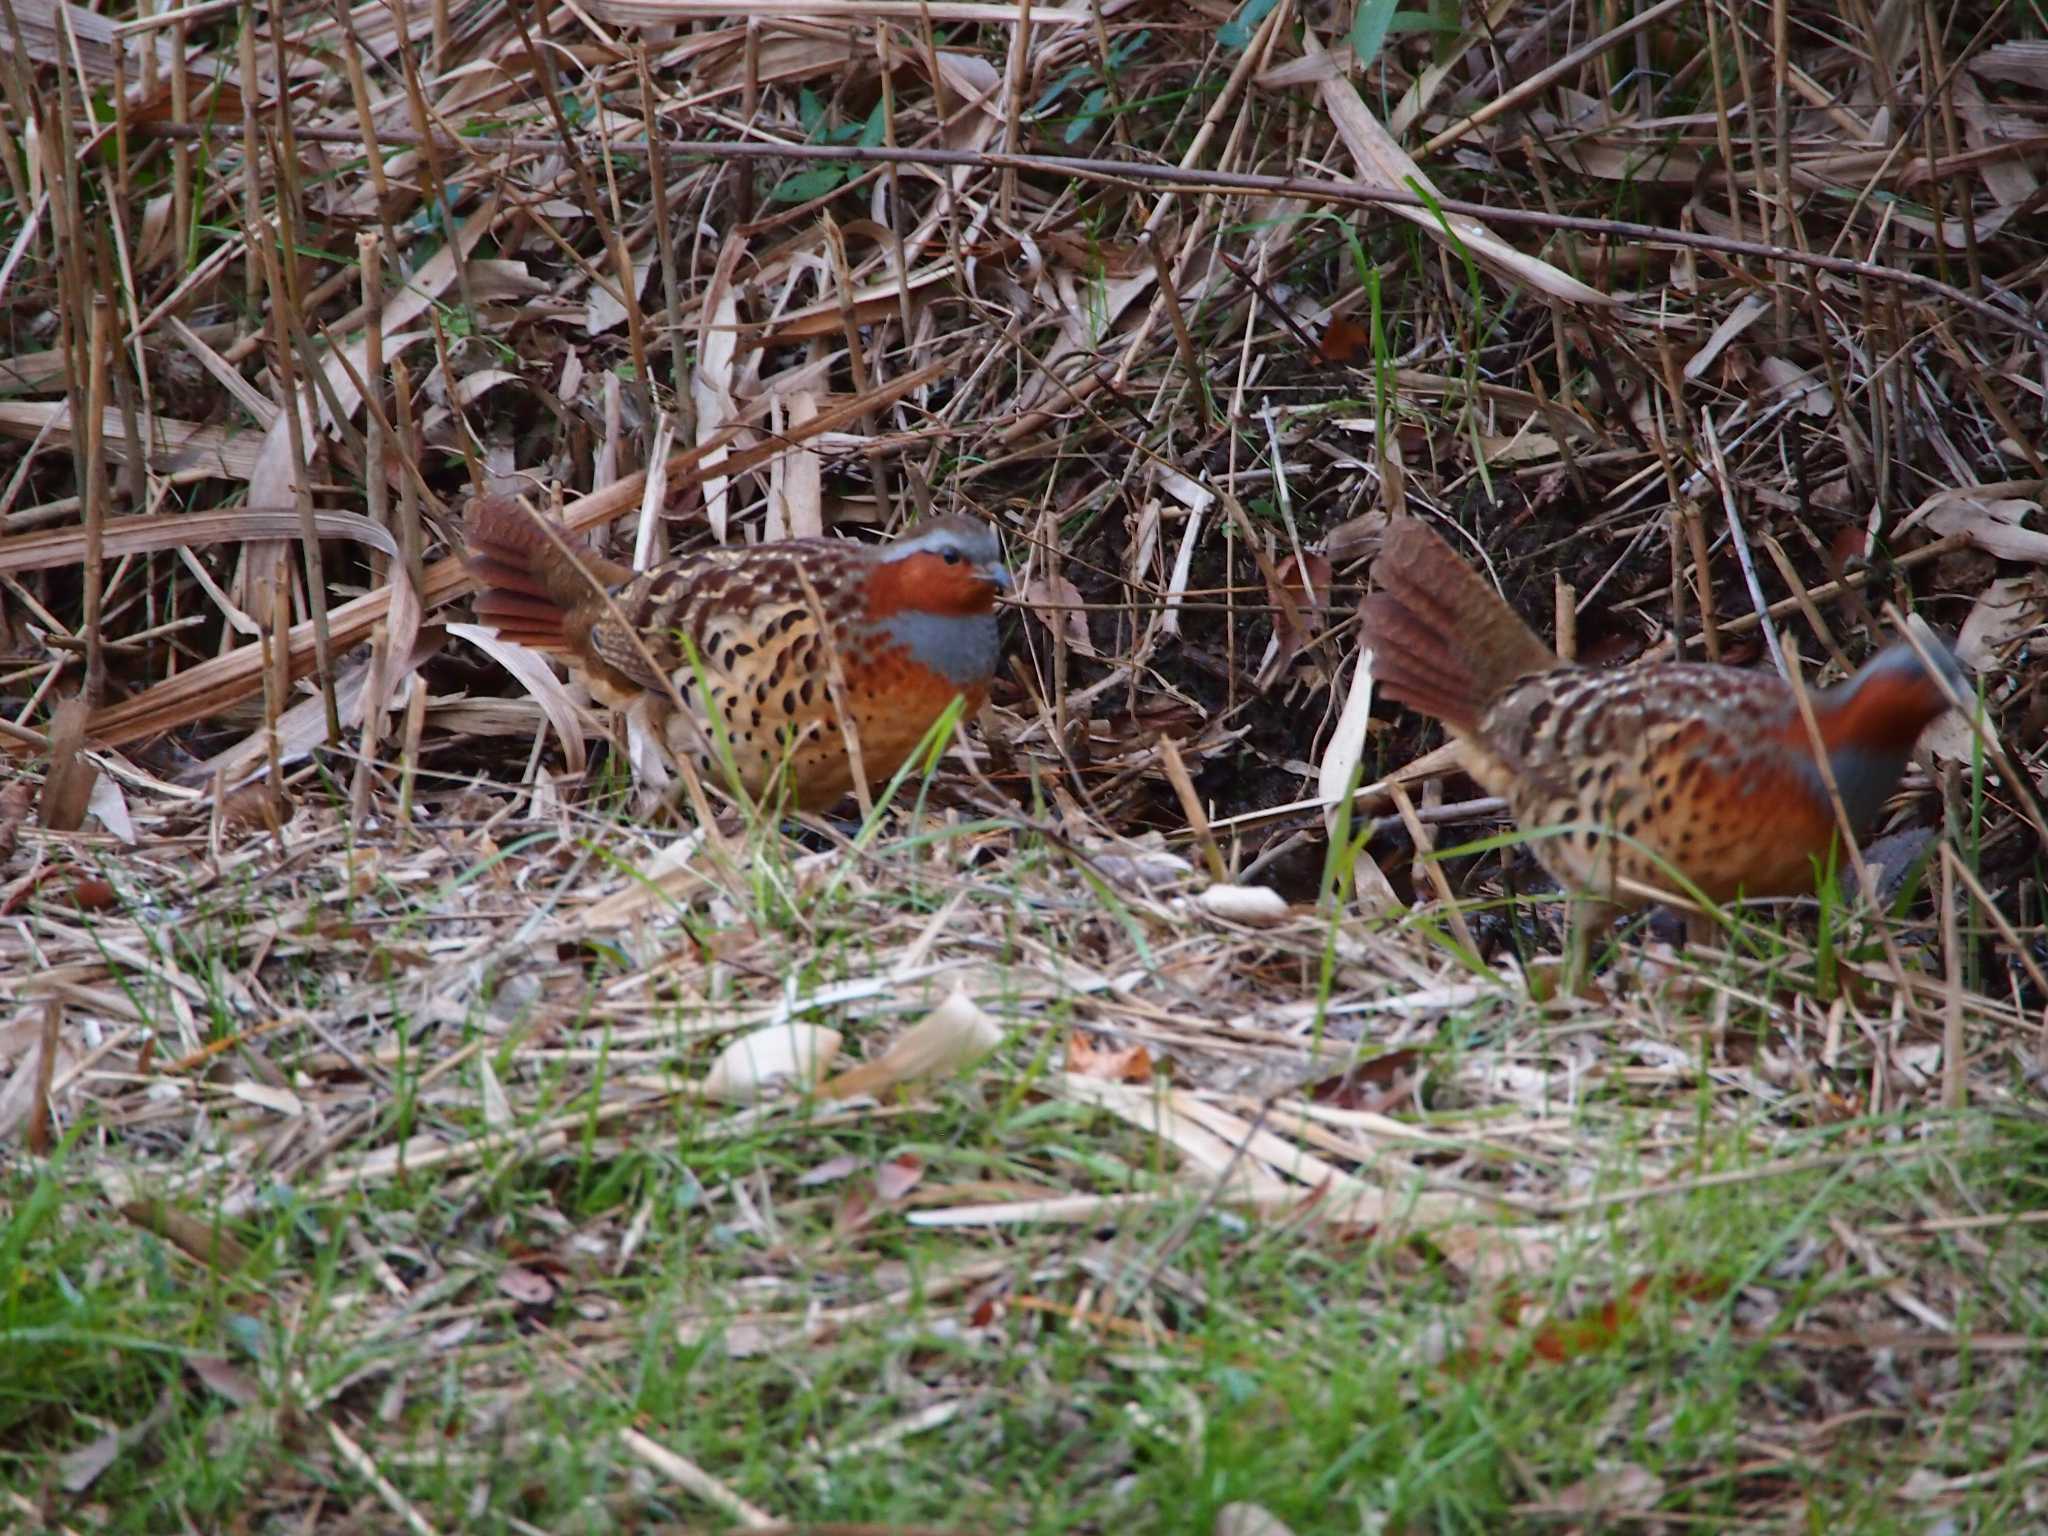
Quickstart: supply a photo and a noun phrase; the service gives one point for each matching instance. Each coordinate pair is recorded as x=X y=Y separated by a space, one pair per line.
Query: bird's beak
x=998 y=576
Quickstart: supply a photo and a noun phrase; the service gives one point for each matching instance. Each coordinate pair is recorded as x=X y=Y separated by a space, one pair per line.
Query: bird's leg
x=1586 y=917
x=820 y=832
x=1700 y=929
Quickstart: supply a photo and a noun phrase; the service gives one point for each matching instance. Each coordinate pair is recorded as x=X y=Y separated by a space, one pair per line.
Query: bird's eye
x=950 y=556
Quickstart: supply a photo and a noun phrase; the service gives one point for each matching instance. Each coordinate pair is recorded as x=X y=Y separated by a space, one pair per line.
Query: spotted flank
x=1662 y=775
x=740 y=650
x=1667 y=756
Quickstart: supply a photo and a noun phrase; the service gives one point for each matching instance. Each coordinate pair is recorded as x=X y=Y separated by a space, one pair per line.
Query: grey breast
x=961 y=648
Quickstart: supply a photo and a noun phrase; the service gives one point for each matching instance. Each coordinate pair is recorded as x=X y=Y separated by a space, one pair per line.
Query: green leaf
x=805 y=185
x=1236 y=33
x=1084 y=121
x=1122 y=53
x=1060 y=87
x=811 y=111
x=871 y=132
x=1369 y=28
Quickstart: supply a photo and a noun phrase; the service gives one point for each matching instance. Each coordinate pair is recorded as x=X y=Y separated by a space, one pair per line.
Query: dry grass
x=368 y=1151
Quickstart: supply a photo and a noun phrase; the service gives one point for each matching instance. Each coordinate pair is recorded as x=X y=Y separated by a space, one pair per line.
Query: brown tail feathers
x=527 y=577
x=1442 y=640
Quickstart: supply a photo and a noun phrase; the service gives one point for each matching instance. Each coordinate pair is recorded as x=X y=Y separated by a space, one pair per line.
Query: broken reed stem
x=866 y=369
x=37 y=1136
x=1726 y=484
x=664 y=220
x=1953 y=1089
x=274 y=635
x=1432 y=869
x=1183 y=339
x=252 y=167
x=376 y=695
x=409 y=752
x=1017 y=70
x=410 y=543
x=100 y=341
x=1191 y=807
x=282 y=306
x=750 y=109
x=1674 y=529
x=376 y=484
x=1804 y=599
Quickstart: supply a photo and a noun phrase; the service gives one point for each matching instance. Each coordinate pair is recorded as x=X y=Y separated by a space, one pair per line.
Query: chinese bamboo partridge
x=1709 y=770
x=746 y=638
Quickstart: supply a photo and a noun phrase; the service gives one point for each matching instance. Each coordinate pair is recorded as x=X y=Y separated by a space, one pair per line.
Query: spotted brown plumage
x=1709 y=770
x=733 y=633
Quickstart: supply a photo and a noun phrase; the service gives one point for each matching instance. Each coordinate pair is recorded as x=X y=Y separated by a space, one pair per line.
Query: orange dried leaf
x=897 y=1177
x=1345 y=342
x=1116 y=1064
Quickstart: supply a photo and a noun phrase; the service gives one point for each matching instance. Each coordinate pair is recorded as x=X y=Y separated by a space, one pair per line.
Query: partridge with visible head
x=747 y=638
x=1706 y=770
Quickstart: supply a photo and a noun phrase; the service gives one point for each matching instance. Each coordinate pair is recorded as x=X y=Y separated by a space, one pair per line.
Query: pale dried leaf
x=1992 y=517
x=497 y=1107
x=1256 y=906
x=1338 y=769
x=711 y=380
x=1249 y=1520
x=897 y=1176
x=1807 y=390
x=1739 y=319
x=279 y=1101
x=1379 y=158
x=2005 y=610
x=953 y=1036
x=1057 y=604
x=534 y=675
x=1624 y=1489
x=110 y=805
x=767 y=1062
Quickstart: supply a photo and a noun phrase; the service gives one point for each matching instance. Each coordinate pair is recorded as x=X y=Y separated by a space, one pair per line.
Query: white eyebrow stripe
x=976 y=546
x=926 y=543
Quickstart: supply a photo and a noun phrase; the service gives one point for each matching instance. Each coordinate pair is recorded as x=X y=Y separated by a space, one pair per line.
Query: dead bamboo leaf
x=1249 y=1520
x=1057 y=604
x=538 y=679
x=1992 y=517
x=68 y=783
x=185 y=530
x=1379 y=158
x=711 y=381
x=766 y=1062
x=201 y=1240
x=952 y=1037
x=1336 y=773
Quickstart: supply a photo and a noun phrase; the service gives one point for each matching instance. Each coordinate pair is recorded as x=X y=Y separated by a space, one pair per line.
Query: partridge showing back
x=747 y=637
x=1709 y=769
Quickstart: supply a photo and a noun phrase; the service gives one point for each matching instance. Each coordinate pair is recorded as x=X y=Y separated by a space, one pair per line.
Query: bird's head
x=952 y=566
x=1894 y=697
